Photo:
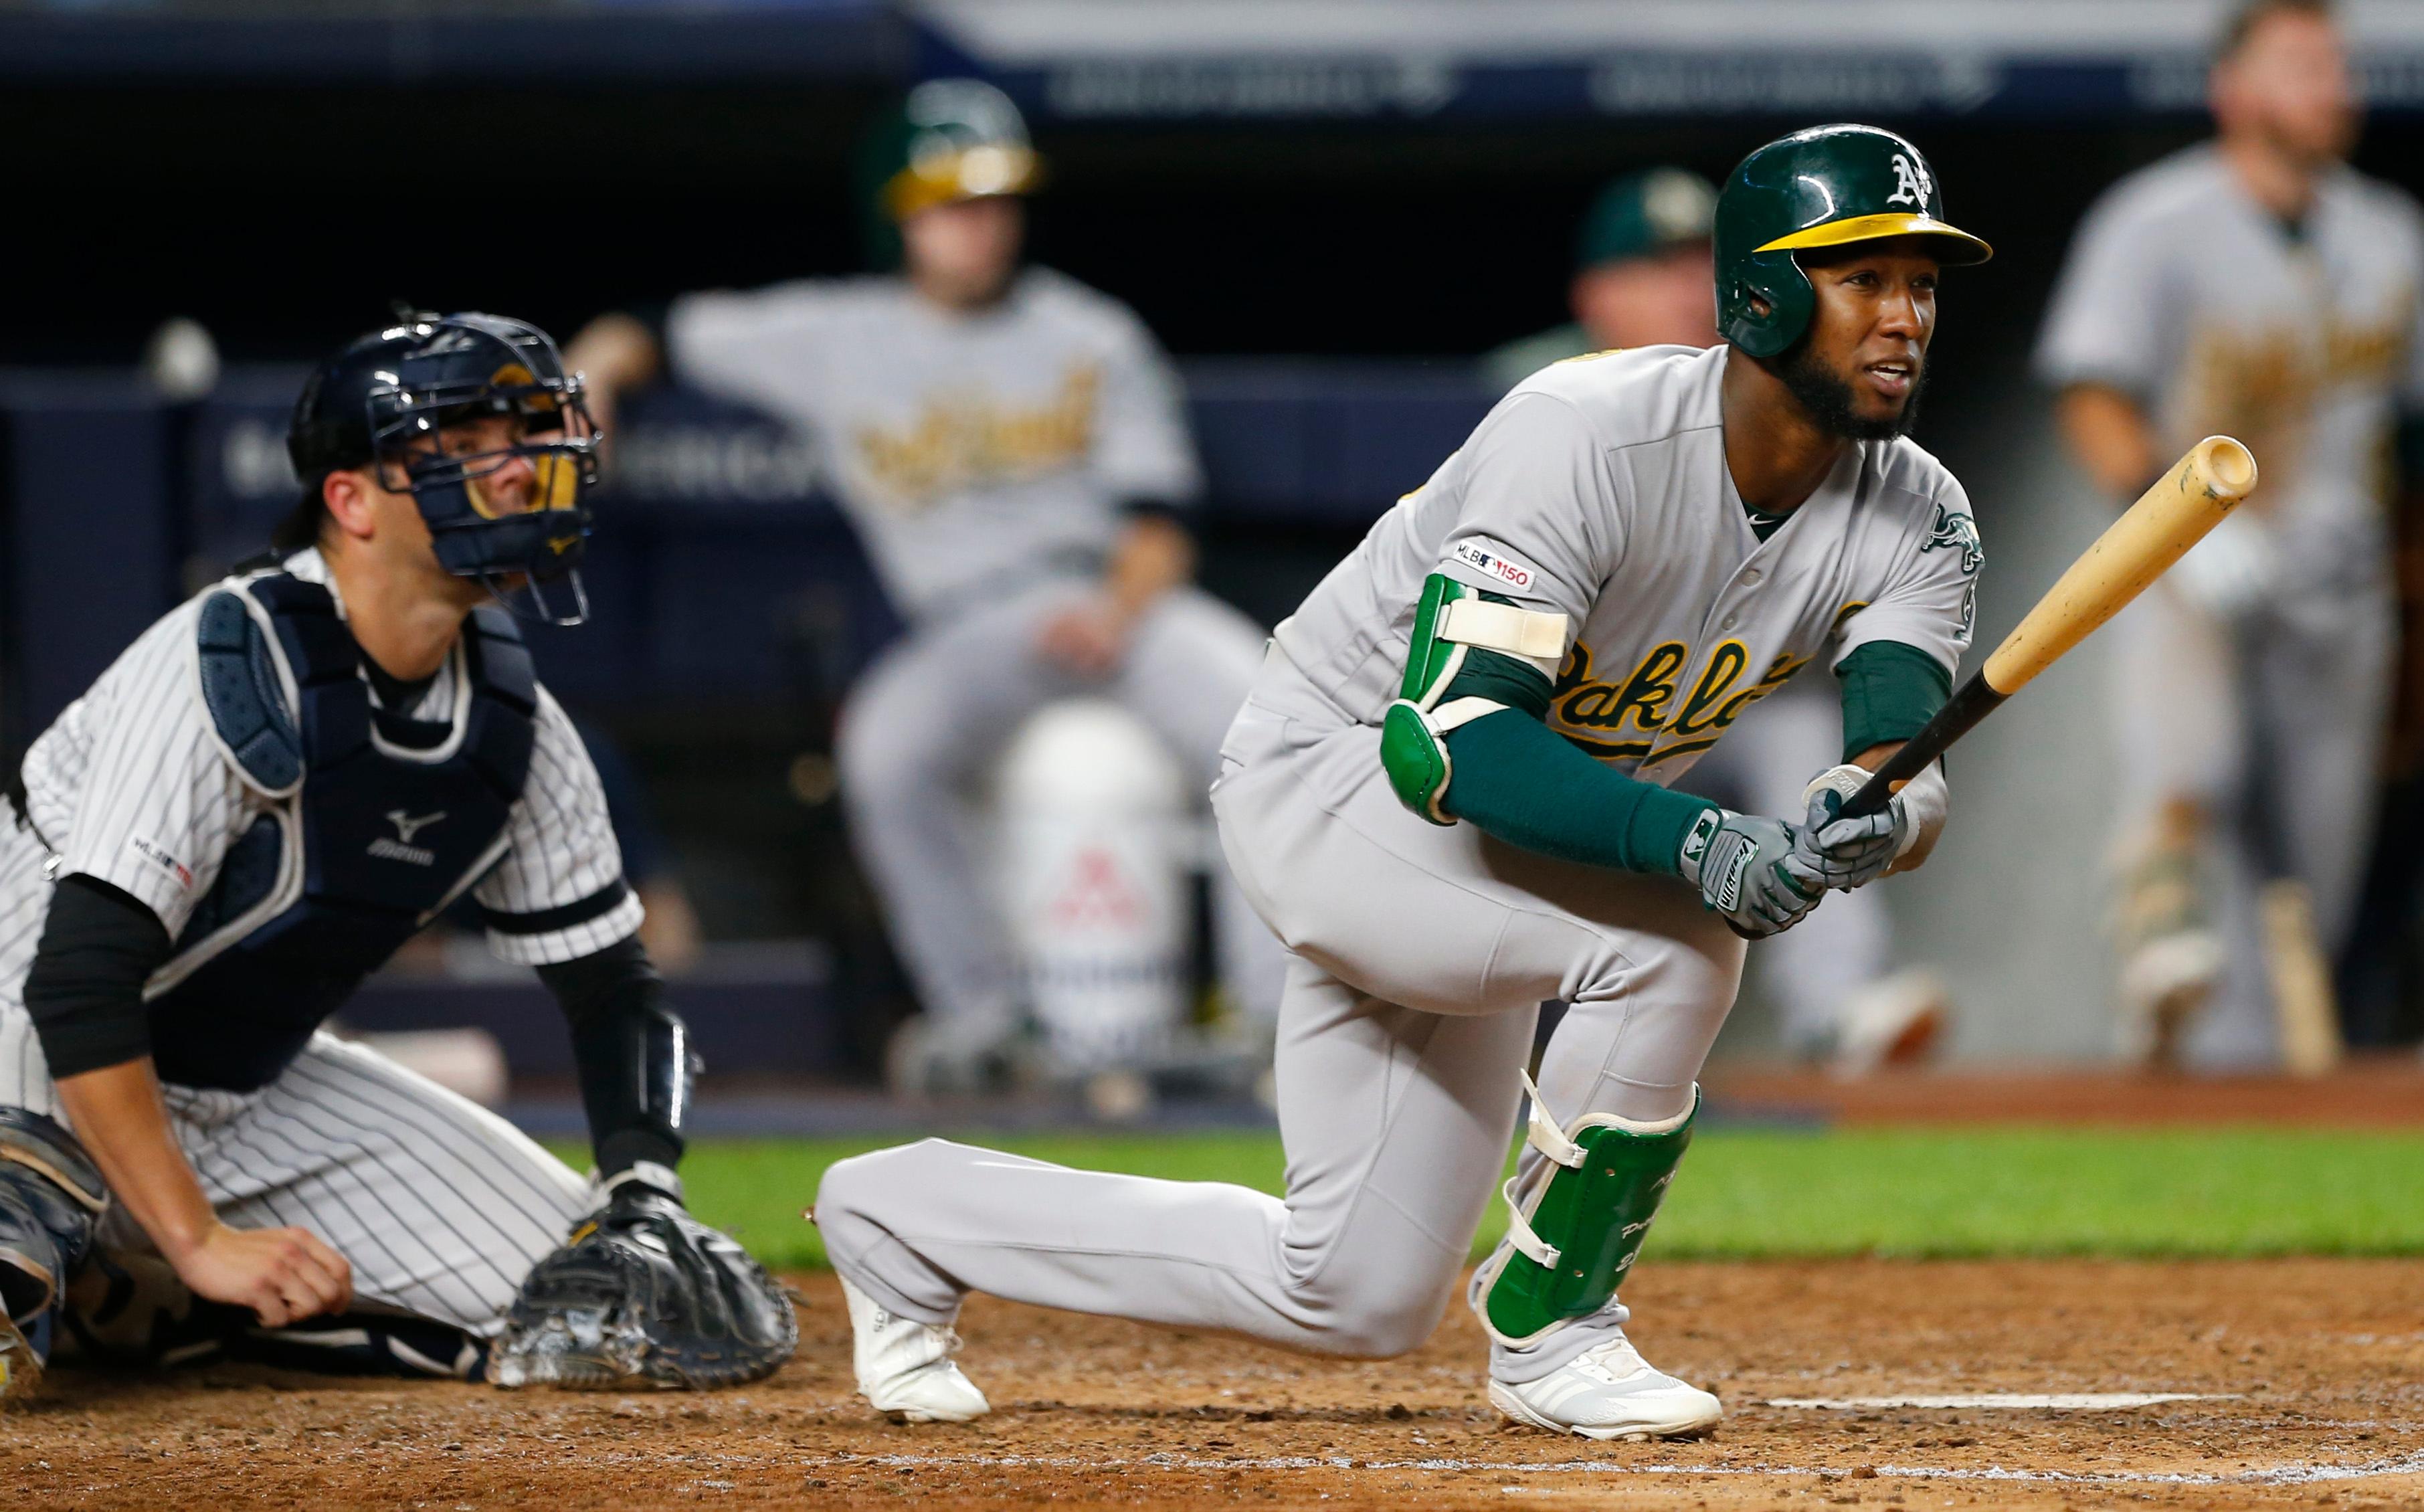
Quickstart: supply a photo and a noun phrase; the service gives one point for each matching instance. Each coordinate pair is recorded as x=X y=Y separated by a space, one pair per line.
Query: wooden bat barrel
x=2150 y=535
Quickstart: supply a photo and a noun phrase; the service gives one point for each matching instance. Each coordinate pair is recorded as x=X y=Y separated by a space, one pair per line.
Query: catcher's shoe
x=904 y=1367
x=21 y=1364
x=1609 y=1392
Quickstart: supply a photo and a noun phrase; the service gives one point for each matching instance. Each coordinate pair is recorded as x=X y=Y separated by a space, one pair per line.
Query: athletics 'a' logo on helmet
x=1910 y=184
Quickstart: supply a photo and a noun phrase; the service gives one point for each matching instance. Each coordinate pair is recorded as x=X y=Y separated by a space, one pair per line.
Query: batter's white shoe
x=1609 y=1392
x=904 y=1367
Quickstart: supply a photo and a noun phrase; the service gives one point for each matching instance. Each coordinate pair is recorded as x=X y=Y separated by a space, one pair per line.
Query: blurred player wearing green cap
x=1642 y=275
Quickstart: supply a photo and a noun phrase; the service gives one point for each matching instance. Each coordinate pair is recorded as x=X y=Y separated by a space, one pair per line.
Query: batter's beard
x=1828 y=397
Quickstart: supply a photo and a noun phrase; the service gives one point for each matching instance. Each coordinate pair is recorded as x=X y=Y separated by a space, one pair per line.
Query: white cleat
x=1609 y=1392
x=904 y=1367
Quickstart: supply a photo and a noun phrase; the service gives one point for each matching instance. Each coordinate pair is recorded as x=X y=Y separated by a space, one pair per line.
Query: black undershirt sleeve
x=84 y=992
x=632 y=1053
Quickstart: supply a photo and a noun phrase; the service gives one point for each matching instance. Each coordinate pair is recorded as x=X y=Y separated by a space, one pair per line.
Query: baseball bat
x=2133 y=551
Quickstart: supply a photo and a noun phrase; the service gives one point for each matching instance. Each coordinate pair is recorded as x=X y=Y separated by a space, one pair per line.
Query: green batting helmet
x=949 y=140
x=1826 y=186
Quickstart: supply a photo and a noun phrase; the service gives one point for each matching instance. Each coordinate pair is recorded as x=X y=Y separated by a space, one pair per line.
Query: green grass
x=1757 y=1194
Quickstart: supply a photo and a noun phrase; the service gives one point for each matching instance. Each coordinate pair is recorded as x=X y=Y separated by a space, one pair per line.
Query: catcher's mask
x=383 y=402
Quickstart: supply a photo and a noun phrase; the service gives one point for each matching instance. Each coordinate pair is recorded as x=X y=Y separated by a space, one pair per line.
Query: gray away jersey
x=968 y=450
x=130 y=785
x=1598 y=489
x=2184 y=292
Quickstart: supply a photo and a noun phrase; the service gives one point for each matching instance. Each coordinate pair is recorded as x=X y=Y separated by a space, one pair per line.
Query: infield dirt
x=2311 y=1373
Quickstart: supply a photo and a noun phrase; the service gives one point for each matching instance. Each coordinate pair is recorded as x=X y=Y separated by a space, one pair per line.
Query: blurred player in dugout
x=1010 y=446
x=1644 y=277
x=2253 y=285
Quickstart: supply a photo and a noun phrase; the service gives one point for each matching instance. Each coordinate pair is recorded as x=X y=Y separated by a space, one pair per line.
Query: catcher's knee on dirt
x=52 y=1197
x=1572 y=1244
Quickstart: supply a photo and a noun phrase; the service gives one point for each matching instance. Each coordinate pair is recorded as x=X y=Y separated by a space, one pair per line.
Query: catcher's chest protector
x=378 y=822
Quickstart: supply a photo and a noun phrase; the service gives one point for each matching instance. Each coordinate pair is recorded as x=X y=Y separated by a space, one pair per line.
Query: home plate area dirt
x=2280 y=1383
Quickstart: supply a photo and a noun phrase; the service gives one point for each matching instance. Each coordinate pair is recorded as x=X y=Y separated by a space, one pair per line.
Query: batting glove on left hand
x=1845 y=853
x=1748 y=869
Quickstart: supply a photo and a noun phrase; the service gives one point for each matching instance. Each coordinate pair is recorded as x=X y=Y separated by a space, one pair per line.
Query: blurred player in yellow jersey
x=2253 y=285
x=1643 y=277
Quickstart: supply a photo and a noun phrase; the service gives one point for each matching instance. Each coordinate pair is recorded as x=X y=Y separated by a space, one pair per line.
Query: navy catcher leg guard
x=51 y=1198
x=128 y=1308
x=368 y=1344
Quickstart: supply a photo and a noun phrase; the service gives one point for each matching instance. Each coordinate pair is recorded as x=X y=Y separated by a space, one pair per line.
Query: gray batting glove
x=1845 y=853
x=1748 y=869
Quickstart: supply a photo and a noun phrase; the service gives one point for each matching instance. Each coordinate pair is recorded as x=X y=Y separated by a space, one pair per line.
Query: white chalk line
x=2008 y=1401
x=2306 y=1474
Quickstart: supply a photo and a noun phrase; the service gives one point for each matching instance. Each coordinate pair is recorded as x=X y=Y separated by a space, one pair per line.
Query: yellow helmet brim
x=1960 y=248
x=977 y=173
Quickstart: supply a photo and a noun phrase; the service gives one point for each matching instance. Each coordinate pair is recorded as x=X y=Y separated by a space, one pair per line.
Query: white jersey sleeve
x=558 y=893
x=1537 y=526
x=757 y=347
x=1930 y=601
x=131 y=784
x=1141 y=449
x=2114 y=308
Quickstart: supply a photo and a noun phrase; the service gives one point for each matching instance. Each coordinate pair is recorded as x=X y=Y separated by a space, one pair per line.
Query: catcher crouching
x=274 y=787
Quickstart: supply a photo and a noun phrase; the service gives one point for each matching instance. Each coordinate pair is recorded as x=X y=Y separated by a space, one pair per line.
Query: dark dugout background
x=286 y=217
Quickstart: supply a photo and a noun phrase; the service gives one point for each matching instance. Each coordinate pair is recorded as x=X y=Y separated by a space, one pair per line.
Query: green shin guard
x=1568 y=1252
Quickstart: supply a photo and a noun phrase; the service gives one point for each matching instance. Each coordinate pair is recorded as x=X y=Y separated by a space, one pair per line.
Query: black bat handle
x=1971 y=702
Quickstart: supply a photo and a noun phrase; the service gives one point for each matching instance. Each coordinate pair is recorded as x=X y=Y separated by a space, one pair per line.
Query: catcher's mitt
x=645 y=1294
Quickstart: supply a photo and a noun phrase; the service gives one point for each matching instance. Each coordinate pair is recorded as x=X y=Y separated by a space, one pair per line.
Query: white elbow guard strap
x=1450 y=617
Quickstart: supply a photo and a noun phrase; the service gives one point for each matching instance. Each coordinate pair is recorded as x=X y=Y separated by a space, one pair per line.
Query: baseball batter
x=1447 y=793
x=1642 y=277
x=2254 y=286
x=271 y=790
x=1010 y=446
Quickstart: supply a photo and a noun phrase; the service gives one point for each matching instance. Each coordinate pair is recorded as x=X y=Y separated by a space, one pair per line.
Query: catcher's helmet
x=949 y=140
x=371 y=405
x=1825 y=187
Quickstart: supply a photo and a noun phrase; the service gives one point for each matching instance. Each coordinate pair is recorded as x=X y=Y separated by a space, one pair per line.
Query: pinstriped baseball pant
x=438 y=1205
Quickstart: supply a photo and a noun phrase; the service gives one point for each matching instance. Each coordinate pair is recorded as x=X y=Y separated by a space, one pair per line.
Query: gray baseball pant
x=928 y=717
x=2272 y=725
x=1419 y=957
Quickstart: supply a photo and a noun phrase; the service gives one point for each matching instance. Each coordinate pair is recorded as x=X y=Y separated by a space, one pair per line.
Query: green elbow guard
x=1413 y=750
x=1416 y=761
